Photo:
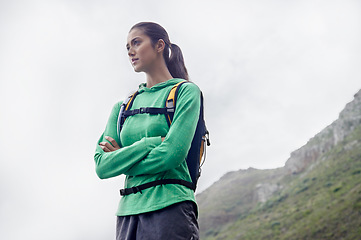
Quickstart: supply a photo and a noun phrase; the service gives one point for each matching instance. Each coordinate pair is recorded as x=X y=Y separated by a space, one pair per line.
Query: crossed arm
x=150 y=155
x=113 y=145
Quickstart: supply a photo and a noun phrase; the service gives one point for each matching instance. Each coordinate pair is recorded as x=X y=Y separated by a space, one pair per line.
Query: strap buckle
x=139 y=111
x=170 y=110
x=142 y=110
x=122 y=192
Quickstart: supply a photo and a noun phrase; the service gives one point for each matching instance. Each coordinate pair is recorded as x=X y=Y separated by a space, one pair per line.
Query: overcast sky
x=274 y=74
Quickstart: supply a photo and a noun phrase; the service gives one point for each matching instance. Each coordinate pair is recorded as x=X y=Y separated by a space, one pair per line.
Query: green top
x=143 y=157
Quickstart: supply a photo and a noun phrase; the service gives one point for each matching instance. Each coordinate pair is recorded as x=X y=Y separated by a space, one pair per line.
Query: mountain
x=316 y=195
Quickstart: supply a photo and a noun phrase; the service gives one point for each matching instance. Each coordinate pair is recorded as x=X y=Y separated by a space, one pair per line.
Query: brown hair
x=175 y=61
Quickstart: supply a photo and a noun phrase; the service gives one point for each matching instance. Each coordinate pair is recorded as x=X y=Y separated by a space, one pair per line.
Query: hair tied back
x=172 y=55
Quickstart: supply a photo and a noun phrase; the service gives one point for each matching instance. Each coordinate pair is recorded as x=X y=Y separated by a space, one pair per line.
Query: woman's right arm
x=115 y=163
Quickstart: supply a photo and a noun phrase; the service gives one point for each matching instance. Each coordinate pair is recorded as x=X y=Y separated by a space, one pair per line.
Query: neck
x=157 y=75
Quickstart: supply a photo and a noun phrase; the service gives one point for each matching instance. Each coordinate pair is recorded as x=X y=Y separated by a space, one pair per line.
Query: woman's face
x=142 y=54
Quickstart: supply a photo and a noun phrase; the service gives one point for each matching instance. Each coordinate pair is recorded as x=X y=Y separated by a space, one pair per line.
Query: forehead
x=134 y=34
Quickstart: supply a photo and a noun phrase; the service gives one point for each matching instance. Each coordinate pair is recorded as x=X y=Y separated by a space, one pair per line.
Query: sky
x=273 y=74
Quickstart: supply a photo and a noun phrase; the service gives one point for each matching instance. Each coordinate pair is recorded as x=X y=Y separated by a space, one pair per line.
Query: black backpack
x=196 y=154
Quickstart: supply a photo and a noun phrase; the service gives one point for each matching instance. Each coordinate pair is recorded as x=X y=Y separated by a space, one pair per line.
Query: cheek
x=146 y=53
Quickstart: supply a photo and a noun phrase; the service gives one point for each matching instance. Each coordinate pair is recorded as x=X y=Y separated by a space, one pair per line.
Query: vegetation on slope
x=231 y=197
x=323 y=202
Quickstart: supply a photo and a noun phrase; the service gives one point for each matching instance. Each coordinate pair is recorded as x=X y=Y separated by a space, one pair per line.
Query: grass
x=324 y=203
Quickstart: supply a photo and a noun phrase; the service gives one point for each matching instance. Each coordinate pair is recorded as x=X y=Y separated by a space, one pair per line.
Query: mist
x=273 y=74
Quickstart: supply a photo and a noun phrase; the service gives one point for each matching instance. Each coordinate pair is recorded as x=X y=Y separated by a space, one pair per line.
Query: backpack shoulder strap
x=195 y=153
x=170 y=103
x=127 y=104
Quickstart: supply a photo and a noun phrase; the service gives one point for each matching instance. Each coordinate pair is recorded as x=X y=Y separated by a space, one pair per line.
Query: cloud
x=273 y=74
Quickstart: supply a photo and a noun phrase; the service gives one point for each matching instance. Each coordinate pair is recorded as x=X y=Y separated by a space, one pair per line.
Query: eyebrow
x=132 y=41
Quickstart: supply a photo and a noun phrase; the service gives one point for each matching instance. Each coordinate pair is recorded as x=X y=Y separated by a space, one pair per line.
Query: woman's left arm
x=174 y=149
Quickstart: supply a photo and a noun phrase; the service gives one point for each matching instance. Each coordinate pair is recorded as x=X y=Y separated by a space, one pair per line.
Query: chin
x=136 y=68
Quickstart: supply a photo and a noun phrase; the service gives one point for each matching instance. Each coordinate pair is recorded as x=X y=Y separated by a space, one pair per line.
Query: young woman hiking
x=148 y=149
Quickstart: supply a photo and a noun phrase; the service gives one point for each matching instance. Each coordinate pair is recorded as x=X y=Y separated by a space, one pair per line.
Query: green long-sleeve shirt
x=143 y=157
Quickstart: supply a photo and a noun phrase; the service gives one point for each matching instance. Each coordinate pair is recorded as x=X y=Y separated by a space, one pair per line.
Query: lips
x=134 y=60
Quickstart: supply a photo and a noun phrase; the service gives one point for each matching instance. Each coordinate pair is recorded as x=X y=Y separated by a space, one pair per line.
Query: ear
x=160 y=45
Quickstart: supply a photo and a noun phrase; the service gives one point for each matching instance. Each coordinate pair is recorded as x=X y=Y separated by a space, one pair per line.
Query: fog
x=273 y=73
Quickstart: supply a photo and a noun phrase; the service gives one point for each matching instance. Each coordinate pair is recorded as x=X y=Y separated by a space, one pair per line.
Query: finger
x=104 y=144
x=105 y=149
x=112 y=141
x=107 y=145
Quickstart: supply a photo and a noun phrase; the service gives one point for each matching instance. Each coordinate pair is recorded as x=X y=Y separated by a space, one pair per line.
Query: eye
x=136 y=42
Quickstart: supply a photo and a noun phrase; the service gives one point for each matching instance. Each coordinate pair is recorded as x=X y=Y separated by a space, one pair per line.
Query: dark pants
x=176 y=222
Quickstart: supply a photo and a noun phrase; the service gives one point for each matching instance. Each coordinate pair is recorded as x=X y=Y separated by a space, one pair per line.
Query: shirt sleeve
x=111 y=164
x=174 y=149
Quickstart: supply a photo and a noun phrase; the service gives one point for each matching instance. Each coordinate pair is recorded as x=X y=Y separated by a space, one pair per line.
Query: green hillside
x=321 y=201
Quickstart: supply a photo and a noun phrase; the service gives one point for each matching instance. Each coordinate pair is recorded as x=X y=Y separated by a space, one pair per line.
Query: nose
x=130 y=52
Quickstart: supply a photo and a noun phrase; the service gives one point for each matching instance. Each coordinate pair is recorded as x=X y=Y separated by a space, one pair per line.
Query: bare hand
x=109 y=147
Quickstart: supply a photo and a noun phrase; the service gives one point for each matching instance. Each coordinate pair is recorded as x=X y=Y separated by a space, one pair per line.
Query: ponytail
x=175 y=61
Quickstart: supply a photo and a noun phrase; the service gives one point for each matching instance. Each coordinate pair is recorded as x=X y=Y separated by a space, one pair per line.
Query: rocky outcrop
x=265 y=190
x=237 y=195
x=310 y=153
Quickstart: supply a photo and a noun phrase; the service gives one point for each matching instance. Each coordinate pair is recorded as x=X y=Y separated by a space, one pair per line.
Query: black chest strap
x=149 y=110
x=139 y=188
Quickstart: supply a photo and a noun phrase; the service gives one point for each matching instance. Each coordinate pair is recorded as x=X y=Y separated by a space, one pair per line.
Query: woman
x=148 y=149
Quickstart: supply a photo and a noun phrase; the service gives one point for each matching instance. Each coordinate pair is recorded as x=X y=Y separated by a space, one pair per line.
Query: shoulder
x=189 y=88
x=116 y=107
